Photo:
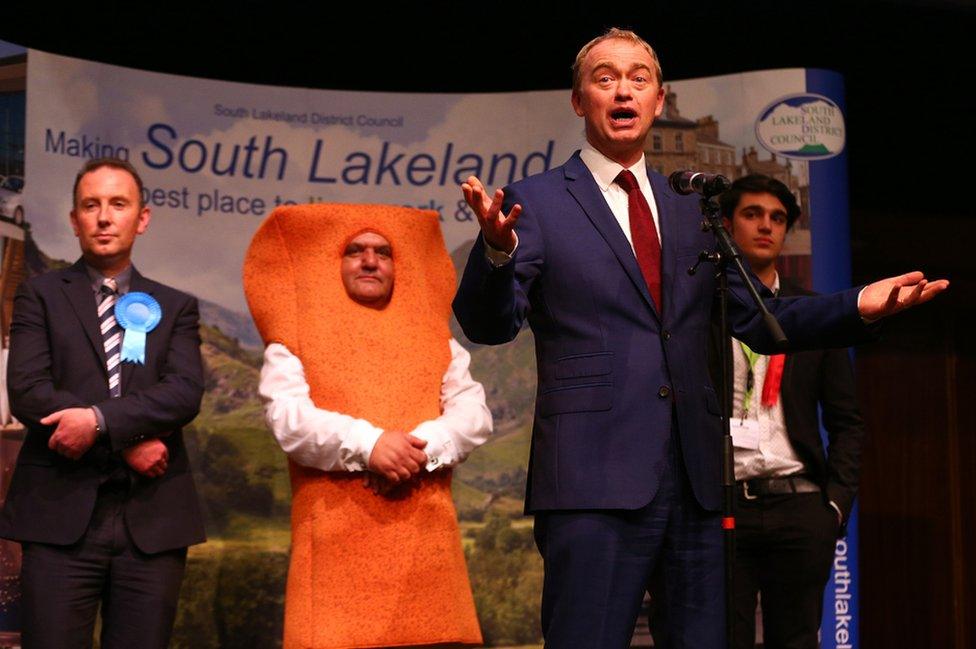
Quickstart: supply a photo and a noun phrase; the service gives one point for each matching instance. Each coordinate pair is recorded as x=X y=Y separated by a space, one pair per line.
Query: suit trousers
x=63 y=586
x=599 y=563
x=784 y=547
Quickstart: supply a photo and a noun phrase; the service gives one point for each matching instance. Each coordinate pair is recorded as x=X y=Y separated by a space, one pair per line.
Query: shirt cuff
x=498 y=258
x=100 y=421
x=440 y=449
x=358 y=446
x=863 y=319
x=840 y=514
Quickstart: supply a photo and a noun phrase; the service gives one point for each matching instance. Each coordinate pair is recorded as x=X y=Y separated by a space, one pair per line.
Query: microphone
x=689 y=182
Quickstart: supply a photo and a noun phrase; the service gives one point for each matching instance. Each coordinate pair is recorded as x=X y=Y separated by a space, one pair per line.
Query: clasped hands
x=396 y=458
x=76 y=432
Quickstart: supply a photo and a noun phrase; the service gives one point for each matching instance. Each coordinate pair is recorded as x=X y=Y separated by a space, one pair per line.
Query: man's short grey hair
x=614 y=33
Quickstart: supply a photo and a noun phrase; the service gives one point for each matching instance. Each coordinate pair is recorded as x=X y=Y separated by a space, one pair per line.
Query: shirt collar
x=122 y=280
x=775 y=287
x=605 y=170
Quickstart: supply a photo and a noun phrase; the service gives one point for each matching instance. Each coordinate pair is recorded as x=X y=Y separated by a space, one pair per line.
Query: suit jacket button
x=666 y=335
x=664 y=392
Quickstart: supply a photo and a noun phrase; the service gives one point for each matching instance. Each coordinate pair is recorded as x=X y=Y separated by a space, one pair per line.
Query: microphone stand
x=726 y=253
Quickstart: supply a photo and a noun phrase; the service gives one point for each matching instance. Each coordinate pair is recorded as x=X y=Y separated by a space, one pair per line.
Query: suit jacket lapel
x=586 y=192
x=77 y=288
x=137 y=283
x=667 y=217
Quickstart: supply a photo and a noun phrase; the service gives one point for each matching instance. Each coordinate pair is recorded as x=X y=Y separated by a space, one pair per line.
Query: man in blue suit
x=624 y=470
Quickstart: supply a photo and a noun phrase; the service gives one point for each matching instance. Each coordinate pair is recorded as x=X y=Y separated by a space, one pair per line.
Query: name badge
x=745 y=433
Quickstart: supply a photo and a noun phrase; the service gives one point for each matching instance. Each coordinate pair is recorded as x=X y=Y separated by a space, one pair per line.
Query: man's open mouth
x=622 y=115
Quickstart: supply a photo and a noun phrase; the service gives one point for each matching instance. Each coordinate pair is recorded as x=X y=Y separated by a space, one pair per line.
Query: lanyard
x=752 y=358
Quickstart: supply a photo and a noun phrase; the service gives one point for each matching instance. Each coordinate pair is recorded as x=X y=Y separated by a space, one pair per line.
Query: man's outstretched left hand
x=889 y=296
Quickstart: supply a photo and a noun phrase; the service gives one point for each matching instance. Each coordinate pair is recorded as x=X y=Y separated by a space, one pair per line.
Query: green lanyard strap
x=752 y=358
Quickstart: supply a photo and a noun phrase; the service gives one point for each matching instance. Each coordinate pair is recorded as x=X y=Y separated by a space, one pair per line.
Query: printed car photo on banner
x=218 y=157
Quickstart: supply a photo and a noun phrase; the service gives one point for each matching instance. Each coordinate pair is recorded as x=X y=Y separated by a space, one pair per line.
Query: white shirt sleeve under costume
x=311 y=436
x=465 y=422
x=332 y=441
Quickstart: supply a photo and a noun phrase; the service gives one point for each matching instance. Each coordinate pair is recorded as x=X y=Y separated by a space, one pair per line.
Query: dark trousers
x=598 y=565
x=63 y=586
x=784 y=549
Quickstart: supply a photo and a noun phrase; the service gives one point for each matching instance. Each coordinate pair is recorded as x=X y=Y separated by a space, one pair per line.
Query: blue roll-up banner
x=217 y=157
x=832 y=272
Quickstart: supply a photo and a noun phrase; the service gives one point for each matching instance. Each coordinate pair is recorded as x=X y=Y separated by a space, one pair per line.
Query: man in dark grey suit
x=102 y=498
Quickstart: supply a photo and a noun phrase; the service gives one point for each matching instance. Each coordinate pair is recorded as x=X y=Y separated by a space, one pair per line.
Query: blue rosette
x=138 y=313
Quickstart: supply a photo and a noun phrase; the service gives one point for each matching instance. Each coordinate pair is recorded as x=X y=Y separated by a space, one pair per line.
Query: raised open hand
x=893 y=294
x=497 y=227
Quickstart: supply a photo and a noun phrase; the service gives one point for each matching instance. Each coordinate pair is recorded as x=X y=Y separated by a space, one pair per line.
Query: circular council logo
x=803 y=127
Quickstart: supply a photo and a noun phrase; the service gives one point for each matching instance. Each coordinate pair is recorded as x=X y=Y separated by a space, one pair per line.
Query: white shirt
x=332 y=441
x=775 y=456
x=605 y=171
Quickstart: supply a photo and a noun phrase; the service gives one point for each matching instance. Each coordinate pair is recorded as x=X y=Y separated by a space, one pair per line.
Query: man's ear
x=659 y=107
x=145 y=215
x=577 y=101
x=73 y=217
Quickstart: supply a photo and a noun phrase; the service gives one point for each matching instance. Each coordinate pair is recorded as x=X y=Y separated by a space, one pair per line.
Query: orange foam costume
x=366 y=570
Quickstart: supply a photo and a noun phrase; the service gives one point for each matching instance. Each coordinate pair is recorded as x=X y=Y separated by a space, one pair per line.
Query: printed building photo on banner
x=218 y=157
x=14 y=235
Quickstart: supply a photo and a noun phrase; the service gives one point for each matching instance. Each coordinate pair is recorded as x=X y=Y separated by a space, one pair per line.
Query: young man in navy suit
x=102 y=499
x=624 y=470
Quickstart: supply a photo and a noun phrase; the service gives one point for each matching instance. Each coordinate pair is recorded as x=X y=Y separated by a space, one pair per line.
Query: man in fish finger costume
x=364 y=387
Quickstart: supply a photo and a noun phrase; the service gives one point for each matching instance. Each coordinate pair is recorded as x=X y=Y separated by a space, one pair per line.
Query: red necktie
x=647 y=246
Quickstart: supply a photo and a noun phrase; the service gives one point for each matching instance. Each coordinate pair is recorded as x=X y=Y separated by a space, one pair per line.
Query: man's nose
x=369 y=258
x=766 y=224
x=104 y=215
x=624 y=90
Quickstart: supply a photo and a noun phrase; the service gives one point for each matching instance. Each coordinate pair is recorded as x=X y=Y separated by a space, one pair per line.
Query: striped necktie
x=111 y=335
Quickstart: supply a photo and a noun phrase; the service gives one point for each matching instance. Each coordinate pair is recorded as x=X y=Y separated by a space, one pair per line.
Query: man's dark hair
x=114 y=163
x=759 y=184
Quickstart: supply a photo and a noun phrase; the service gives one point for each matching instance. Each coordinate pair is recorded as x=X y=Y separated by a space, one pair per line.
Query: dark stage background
x=909 y=67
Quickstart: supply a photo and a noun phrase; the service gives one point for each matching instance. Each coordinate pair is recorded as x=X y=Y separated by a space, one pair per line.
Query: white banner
x=217 y=156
